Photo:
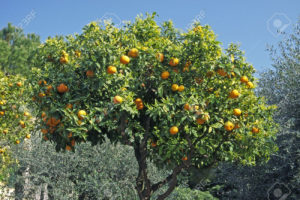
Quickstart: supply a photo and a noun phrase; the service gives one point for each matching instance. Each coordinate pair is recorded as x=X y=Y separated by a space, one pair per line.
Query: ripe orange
x=17 y=141
x=237 y=112
x=44 y=131
x=229 y=126
x=140 y=106
x=64 y=59
x=138 y=101
x=201 y=121
x=250 y=84
x=186 y=106
x=69 y=106
x=19 y=84
x=165 y=75
x=184 y=158
x=255 y=130
x=221 y=72
x=89 y=73
x=234 y=94
x=22 y=124
x=134 y=52
x=2 y=113
x=81 y=114
x=26 y=114
x=111 y=69
x=42 y=94
x=244 y=79
x=124 y=59
x=28 y=136
x=42 y=82
x=62 y=88
x=68 y=148
x=173 y=130
x=160 y=57
x=174 y=87
x=118 y=99
x=173 y=62
x=73 y=142
x=43 y=114
x=153 y=144
x=180 y=88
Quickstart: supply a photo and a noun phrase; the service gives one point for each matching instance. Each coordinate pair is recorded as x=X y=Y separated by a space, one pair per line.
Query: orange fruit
x=17 y=141
x=160 y=57
x=2 y=113
x=232 y=74
x=63 y=60
x=140 y=106
x=19 y=84
x=221 y=72
x=5 y=131
x=180 y=88
x=62 y=88
x=234 y=94
x=229 y=126
x=237 y=112
x=184 y=158
x=175 y=70
x=201 y=121
x=26 y=114
x=28 y=136
x=44 y=131
x=22 y=124
x=244 y=79
x=124 y=59
x=250 y=84
x=81 y=114
x=165 y=75
x=186 y=106
x=111 y=69
x=173 y=130
x=133 y=53
x=42 y=82
x=49 y=87
x=42 y=94
x=255 y=130
x=174 y=87
x=118 y=99
x=68 y=148
x=69 y=106
x=43 y=114
x=153 y=144
x=173 y=62
x=89 y=73
x=73 y=142
x=138 y=101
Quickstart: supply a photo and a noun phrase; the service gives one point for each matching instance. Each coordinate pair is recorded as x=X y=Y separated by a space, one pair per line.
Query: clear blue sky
x=235 y=21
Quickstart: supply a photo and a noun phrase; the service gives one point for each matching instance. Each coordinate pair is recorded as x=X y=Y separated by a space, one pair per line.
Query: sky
x=252 y=24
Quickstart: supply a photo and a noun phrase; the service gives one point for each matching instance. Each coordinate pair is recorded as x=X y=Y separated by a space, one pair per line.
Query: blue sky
x=244 y=22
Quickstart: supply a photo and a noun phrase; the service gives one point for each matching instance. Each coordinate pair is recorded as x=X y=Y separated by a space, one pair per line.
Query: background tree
x=15 y=50
x=281 y=86
x=175 y=98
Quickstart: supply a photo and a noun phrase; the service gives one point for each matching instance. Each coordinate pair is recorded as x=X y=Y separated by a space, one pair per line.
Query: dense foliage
x=176 y=98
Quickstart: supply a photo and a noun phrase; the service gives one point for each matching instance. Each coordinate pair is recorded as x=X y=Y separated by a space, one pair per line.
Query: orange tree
x=176 y=98
x=15 y=118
